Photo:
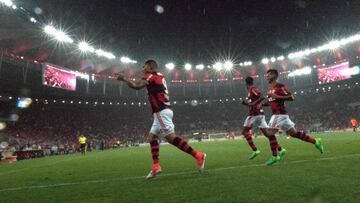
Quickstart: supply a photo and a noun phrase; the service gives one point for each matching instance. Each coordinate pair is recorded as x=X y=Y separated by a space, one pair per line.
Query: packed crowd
x=46 y=126
x=328 y=111
x=60 y=127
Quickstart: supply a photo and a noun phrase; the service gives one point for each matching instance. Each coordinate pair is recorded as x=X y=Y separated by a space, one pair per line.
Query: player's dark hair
x=273 y=71
x=152 y=63
x=249 y=81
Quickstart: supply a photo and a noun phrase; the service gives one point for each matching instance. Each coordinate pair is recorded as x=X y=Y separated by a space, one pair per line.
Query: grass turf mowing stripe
x=170 y=174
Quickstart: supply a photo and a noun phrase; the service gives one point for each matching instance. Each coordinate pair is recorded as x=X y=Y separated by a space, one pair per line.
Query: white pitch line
x=168 y=174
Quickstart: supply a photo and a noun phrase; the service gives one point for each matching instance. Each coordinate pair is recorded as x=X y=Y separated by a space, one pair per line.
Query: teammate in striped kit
x=163 y=126
x=277 y=95
x=256 y=119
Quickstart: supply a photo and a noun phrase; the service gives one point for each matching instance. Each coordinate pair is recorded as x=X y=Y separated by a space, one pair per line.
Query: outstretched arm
x=256 y=101
x=289 y=97
x=134 y=84
x=286 y=94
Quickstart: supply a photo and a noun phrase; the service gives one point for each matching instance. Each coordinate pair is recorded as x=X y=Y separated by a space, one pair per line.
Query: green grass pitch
x=118 y=175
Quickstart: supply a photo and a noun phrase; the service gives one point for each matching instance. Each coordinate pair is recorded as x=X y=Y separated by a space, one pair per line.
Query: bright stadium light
x=126 y=59
x=218 y=66
x=307 y=52
x=303 y=71
x=295 y=55
x=228 y=65
x=351 y=39
x=280 y=58
x=188 y=66
x=200 y=67
x=33 y=20
x=355 y=38
x=49 y=30
x=265 y=61
x=57 y=34
x=242 y=64
x=14 y=6
x=246 y=63
x=272 y=59
x=291 y=56
x=85 y=47
x=313 y=50
x=62 y=37
x=2 y=125
x=322 y=48
x=8 y=3
x=170 y=66
x=23 y=103
x=334 y=45
x=109 y=55
x=103 y=53
x=100 y=52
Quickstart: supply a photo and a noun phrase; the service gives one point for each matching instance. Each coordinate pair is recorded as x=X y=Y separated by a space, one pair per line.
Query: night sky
x=201 y=31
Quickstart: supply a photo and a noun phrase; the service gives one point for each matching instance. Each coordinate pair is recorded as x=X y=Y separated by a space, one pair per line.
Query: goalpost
x=217 y=136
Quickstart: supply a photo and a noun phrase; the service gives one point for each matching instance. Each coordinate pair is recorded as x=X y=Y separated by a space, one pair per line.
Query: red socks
x=273 y=144
x=250 y=141
x=155 y=151
x=183 y=146
x=304 y=137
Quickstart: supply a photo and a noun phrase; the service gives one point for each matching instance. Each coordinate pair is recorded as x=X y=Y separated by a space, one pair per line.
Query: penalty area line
x=168 y=174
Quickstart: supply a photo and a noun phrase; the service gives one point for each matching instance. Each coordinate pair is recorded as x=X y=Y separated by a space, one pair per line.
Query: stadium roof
x=180 y=32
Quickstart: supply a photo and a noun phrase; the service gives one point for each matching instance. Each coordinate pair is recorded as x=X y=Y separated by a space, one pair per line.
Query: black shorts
x=82 y=146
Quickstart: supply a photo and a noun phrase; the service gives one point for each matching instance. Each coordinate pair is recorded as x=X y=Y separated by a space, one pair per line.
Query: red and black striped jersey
x=254 y=94
x=278 y=105
x=158 y=95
